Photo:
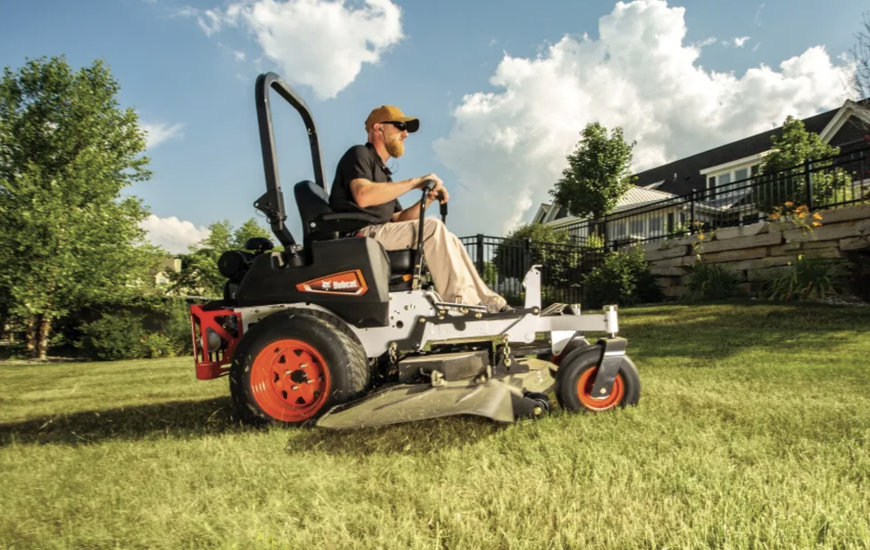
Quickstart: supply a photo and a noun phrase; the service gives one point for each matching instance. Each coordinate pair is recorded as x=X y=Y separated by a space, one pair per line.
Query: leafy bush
x=594 y=240
x=115 y=336
x=153 y=328
x=858 y=268
x=711 y=282
x=534 y=244
x=806 y=279
x=623 y=278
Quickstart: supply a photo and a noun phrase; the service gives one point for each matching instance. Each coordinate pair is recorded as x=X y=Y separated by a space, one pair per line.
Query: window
x=724 y=185
x=636 y=227
x=657 y=225
x=620 y=227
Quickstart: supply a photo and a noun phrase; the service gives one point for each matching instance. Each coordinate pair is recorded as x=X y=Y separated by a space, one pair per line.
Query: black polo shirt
x=361 y=161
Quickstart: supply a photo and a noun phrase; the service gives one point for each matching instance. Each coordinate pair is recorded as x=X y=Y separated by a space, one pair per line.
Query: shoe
x=493 y=307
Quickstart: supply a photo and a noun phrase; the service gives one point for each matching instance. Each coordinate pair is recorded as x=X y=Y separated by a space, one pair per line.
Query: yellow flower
x=802 y=215
x=788 y=204
x=817 y=216
x=701 y=237
x=774 y=216
x=817 y=224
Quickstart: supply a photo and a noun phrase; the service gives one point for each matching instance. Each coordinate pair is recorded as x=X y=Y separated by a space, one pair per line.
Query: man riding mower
x=339 y=332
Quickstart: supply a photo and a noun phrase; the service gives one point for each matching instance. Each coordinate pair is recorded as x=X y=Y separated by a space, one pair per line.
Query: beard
x=395 y=147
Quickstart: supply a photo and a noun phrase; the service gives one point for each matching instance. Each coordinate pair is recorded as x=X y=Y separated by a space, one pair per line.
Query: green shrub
x=711 y=282
x=858 y=267
x=114 y=336
x=149 y=328
x=594 y=240
x=806 y=279
x=175 y=314
x=623 y=278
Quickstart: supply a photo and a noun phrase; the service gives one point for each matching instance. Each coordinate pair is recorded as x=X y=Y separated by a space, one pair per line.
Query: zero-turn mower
x=341 y=333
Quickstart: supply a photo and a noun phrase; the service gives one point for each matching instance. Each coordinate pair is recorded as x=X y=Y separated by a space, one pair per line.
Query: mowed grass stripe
x=752 y=431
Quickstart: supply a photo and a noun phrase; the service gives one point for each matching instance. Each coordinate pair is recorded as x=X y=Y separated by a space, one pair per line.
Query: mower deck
x=501 y=399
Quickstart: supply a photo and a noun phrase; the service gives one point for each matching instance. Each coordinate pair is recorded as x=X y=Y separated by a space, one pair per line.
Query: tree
x=784 y=171
x=66 y=151
x=861 y=54
x=199 y=273
x=598 y=173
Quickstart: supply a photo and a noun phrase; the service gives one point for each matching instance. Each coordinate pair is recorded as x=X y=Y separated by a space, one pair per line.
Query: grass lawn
x=753 y=431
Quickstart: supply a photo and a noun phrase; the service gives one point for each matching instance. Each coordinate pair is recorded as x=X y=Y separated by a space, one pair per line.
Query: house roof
x=633 y=198
x=681 y=176
x=638 y=196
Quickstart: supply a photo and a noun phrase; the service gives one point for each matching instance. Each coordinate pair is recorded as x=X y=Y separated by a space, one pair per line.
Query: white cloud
x=757 y=19
x=508 y=147
x=738 y=42
x=319 y=43
x=158 y=132
x=173 y=234
x=210 y=21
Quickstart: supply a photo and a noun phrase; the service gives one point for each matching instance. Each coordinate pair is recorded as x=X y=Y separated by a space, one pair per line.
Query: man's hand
x=438 y=189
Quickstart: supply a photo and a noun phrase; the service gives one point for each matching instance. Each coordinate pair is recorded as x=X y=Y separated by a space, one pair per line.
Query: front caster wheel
x=576 y=376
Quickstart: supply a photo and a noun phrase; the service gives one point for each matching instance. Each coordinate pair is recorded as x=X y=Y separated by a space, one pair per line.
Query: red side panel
x=219 y=330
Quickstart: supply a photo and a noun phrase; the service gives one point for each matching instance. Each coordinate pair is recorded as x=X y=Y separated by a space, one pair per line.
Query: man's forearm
x=368 y=193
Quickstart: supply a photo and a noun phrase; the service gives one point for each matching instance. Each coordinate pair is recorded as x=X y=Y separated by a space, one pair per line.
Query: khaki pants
x=453 y=272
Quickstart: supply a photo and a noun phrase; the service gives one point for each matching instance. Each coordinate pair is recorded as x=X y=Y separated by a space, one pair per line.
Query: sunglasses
x=400 y=126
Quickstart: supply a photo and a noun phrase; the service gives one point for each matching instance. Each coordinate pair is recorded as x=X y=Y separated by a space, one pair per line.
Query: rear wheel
x=293 y=366
x=576 y=376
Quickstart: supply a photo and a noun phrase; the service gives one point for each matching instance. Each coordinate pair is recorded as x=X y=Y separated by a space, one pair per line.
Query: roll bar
x=272 y=201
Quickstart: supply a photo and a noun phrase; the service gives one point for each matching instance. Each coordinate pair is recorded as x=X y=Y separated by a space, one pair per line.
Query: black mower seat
x=320 y=222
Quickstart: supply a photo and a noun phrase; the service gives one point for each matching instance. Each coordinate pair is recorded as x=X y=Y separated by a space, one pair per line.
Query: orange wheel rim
x=584 y=392
x=290 y=380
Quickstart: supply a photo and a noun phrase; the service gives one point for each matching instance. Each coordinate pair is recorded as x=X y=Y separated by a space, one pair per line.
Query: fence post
x=809 y=184
x=479 y=256
x=692 y=212
x=527 y=255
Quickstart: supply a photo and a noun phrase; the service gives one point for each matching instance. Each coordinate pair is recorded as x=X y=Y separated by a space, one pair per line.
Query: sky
x=502 y=88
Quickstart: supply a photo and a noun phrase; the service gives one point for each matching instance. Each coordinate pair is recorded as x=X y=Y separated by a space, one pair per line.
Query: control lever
x=428 y=186
x=443 y=206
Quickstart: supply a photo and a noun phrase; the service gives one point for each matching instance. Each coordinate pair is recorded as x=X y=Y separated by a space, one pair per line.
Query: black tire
x=293 y=366
x=577 y=373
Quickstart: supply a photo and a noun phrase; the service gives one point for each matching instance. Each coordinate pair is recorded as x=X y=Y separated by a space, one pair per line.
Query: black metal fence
x=825 y=183
x=503 y=263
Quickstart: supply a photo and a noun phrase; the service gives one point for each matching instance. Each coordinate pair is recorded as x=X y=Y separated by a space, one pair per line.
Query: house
x=713 y=177
x=164 y=268
x=652 y=221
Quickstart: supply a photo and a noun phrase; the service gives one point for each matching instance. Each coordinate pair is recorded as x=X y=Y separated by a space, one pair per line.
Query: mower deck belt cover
x=452 y=366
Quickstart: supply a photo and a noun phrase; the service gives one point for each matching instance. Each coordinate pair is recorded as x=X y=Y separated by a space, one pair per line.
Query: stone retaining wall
x=759 y=251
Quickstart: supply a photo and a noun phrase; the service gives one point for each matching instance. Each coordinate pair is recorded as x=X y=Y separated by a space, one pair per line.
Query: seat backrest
x=312 y=201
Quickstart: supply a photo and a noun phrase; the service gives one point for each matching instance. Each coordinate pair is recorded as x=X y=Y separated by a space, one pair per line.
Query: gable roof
x=633 y=198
